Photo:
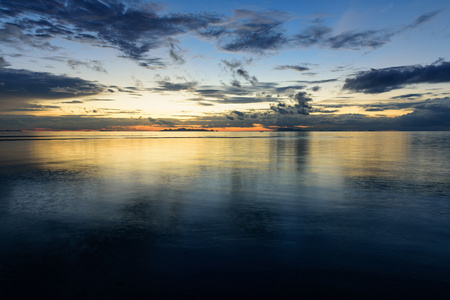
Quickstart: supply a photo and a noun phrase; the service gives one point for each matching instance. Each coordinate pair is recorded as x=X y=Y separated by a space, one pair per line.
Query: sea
x=224 y=215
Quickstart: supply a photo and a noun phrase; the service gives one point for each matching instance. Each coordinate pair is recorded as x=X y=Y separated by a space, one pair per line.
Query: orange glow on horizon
x=188 y=127
x=158 y=128
x=241 y=129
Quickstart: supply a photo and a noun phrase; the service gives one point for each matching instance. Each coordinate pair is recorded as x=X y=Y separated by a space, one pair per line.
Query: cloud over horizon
x=24 y=84
x=383 y=80
x=431 y=114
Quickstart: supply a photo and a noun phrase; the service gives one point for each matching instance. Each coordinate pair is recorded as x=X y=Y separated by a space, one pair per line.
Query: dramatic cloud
x=249 y=31
x=432 y=114
x=23 y=84
x=133 y=29
x=387 y=79
x=136 y=29
x=302 y=105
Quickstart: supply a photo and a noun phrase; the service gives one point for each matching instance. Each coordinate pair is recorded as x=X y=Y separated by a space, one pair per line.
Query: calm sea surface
x=207 y=215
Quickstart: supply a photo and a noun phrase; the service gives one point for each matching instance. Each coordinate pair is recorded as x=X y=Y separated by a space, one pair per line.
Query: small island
x=187 y=129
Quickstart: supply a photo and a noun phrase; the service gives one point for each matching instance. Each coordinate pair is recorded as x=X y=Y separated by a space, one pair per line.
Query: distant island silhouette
x=186 y=129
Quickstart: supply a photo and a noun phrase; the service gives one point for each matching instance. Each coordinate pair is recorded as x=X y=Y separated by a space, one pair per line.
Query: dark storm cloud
x=292 y=67
x=134 y=28
x=387 y=79
x=249 y=31
x=23 y=84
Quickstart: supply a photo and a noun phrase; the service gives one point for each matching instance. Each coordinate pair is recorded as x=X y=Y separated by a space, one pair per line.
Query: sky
x=224 y=65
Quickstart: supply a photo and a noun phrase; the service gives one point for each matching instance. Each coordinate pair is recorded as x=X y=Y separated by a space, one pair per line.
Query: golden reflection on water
x=217 y=166
x=319 y=158
x=359 y=153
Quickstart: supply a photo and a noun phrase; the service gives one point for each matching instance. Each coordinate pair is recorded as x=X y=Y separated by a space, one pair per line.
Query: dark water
x=207 y=215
